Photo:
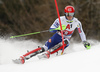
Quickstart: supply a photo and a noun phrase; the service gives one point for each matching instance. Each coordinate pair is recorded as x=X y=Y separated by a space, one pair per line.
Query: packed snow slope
x=75 y=59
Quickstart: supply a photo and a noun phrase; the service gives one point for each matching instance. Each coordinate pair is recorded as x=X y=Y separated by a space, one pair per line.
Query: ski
x=21 y=60
x=45 y=54
x=28 y=55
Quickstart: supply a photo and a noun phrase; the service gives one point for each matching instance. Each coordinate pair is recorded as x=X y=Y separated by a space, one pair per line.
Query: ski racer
x=54 y=44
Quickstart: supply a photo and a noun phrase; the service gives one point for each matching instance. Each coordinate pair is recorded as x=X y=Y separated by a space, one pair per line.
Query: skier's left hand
x=87 y=45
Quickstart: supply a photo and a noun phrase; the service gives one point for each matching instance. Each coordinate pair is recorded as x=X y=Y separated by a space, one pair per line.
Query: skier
x=54 y=44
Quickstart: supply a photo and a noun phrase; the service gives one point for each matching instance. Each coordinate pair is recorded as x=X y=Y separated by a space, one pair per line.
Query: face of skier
x=69 y=17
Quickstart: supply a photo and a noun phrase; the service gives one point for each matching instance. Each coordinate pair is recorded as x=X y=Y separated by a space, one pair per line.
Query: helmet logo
x=69 y=9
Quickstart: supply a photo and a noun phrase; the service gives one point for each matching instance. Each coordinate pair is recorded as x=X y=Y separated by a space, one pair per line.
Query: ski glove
x=63 y=28
x=87 y=45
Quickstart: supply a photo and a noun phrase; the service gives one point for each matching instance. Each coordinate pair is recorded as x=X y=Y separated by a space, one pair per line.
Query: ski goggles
x=69 y=14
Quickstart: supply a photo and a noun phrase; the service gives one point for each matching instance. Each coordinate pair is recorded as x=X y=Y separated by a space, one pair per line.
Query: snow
x=75 y=59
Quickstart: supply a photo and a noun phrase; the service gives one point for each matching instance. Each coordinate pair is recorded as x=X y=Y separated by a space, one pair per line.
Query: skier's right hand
x=63 y=28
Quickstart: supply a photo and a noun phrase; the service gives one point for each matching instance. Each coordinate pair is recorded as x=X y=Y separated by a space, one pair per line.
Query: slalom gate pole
x=60 y=26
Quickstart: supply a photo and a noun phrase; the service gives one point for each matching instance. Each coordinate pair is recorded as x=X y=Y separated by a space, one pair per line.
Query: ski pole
x=33 y=33
x=29 y=34
x=63 y=27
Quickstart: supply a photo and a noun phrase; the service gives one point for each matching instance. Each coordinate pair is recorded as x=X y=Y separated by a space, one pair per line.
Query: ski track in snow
x=76 y=59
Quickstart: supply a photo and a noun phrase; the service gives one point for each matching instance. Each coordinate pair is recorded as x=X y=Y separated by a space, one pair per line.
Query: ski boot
x=44 y=55
x=53 y=50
